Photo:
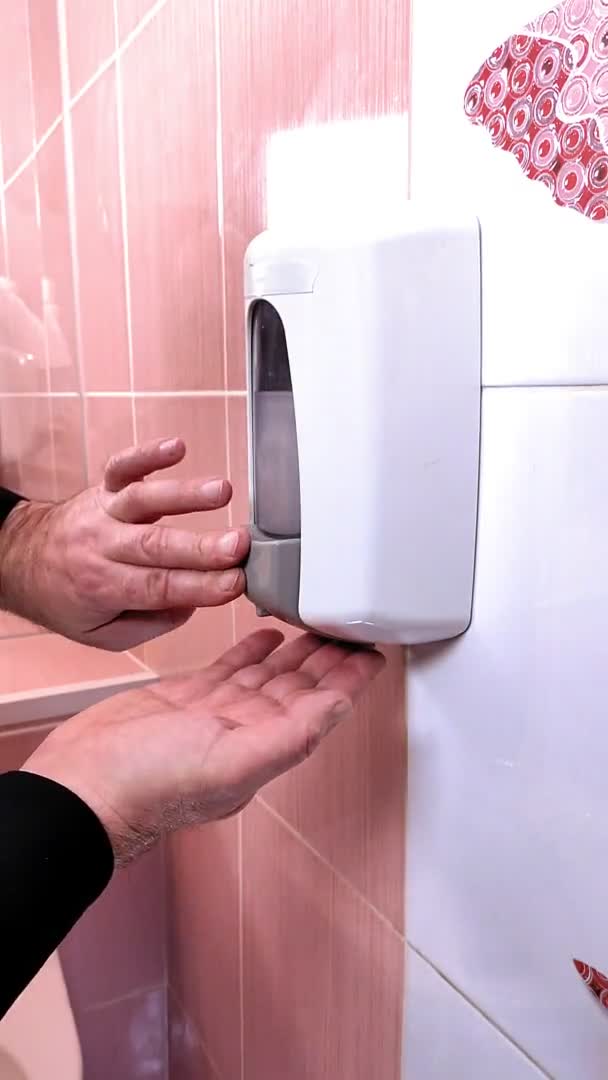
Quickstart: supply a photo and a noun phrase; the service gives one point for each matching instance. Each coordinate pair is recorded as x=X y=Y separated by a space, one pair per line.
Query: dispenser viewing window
x=364 y=388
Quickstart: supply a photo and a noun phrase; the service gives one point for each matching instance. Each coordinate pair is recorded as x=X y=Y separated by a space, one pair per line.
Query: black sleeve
x=55 y=860
x=8 y=502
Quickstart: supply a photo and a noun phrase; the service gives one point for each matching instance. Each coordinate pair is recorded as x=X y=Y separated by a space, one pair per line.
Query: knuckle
x=152 y=543
x=158 y=586
x=312 y=740
x=95 y=585
x=133 y=495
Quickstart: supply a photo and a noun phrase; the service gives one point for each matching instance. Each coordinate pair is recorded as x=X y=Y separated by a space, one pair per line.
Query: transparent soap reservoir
x=276 y=477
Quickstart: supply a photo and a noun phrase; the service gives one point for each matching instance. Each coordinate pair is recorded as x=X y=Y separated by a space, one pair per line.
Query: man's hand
x=197 y=748
x=97 y=568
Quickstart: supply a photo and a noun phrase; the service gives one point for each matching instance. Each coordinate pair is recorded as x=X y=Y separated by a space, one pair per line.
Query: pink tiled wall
x=134 y=138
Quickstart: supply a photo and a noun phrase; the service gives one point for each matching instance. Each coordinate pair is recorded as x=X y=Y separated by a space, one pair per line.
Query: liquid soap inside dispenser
x=273 y=569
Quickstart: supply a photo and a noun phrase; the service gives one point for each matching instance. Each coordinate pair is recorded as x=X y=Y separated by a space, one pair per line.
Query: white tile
x=508 y=740
x=445 y=1037
x=545 y=310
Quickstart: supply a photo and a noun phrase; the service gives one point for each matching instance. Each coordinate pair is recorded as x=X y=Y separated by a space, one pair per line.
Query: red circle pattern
x=597 y=983
x=515 y=96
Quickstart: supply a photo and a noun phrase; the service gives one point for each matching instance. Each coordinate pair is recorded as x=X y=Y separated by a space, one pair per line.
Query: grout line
x=31 y=157
x=141 y=663
x=165 y=393
x=119 y=47
x=141 y=25
x=124 y=225
x=329 y=866
x=39 y=394
x=97 y=74
x=219 y=163
x=599 y=386
x=148 y=989
x=481 y=1012
x=72 y=222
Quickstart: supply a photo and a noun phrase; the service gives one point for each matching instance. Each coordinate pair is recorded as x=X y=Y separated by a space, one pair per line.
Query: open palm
x=197 y=748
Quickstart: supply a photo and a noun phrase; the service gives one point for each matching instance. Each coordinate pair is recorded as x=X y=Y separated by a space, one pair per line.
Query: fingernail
x=229 y=581
x=213 y=489
x=229 y=543
x=168 y=445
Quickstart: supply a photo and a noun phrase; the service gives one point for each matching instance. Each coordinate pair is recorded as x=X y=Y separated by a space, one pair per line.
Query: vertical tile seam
x=124 y=219
x=72 y=223
x=337 y=874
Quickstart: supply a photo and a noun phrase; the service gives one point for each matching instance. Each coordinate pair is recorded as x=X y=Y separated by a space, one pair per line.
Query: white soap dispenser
x=364 y=387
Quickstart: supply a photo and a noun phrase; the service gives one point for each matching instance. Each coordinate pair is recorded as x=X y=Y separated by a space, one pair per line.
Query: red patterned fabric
x=597 y=983
x=543 y=97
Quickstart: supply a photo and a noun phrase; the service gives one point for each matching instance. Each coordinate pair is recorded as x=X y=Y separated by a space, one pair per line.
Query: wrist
x=21 y=541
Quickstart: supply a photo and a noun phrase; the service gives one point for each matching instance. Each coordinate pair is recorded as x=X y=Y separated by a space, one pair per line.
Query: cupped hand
x=196 y=749
x=99 y=569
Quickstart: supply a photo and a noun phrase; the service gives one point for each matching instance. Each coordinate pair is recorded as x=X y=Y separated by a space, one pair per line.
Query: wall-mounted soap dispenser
x=363 y=357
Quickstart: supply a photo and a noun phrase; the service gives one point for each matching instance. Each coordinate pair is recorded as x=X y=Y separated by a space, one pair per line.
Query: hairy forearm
x=22 y=539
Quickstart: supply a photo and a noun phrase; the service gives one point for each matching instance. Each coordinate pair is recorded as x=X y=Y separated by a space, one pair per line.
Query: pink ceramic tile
x=3 y=266
x=17 y=745
x=203 y=908
x=26 y=448
x=22 y=331
x=287 y=65
x=323 y=975
x=239 y=465
x=45 y=60
x=201 y=422
x=68 y=446
x=118 y=945
x=130 y=12
x=126 y=1040
x=57 y=281
x=200 y=641
x=13 y=626
x=187 y=1059
x=348 y=800
x=174 y=244
x=100 y=241
x=90 y=29
x=57 y=663
x=16 y=109
x=109 y=429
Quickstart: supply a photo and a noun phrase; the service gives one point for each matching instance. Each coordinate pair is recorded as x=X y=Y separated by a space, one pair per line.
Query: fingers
x=287 y=659
x=355 y=672
x=139 y=461
x=140 y=501
x=251 y=651
x=174 y=549
x=160 y=590
x=331 y=667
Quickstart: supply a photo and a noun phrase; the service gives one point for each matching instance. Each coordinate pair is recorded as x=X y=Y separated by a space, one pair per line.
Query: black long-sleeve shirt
x=55 y=860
